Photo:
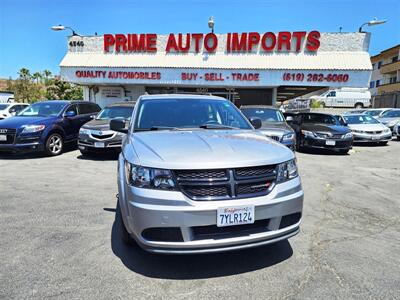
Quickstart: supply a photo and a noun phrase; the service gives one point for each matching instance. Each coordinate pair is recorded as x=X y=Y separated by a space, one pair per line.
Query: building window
x=378 y=82
x=393 y=79
x=379 y=64
x=373 y=66
x=371 y=84
x=394 y=59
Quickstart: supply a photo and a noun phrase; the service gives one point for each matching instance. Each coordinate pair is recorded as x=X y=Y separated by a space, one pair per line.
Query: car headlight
x=387 y=130
x=358 y=131
x=33 y=128
x=84 y=131
x=287 y=171
x=391 y=123
x=149 y=178
x=288 y=136
x=348 y=135
x=308 y=133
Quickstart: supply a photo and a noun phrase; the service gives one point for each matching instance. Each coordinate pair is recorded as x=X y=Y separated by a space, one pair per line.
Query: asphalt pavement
x=58 y=239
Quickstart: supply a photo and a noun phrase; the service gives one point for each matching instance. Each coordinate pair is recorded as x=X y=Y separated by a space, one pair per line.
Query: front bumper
x=277 y=217
x=368 y=138
x=321 y=143
x=87 y=142
x=24 y=143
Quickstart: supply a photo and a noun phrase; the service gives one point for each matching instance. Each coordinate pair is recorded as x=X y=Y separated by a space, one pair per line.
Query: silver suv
x=195 y=177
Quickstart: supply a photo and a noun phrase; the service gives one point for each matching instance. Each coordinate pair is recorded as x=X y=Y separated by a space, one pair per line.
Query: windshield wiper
x=216 y=126
x=154 y=128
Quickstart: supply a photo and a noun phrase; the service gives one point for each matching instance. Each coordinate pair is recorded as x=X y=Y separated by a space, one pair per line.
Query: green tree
x=63 y=90
x=47 y=76
x=24 y=89
x=37 y=76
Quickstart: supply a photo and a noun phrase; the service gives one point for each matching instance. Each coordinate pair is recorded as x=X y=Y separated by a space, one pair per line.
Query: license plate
x=238 y=215
x=375 y=137
x=330 y=143
x=98 y=145
x=3 y=137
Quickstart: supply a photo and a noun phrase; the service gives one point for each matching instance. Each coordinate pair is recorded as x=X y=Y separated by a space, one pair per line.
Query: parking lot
x=58 y=240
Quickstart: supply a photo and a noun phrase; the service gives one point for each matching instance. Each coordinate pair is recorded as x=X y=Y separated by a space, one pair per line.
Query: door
x=87 y=111
x=72 y=124
x=330 y=100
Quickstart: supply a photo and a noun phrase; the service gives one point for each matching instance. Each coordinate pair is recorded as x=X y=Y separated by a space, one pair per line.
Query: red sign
x=283 y=41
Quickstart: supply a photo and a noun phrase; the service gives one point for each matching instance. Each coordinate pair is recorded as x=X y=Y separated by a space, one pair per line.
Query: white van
x=345 y=97
x=6 y=97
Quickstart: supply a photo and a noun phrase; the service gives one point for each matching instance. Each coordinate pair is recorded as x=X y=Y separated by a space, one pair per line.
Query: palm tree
x=46 y=74
x=24 y=74
x=37 y=76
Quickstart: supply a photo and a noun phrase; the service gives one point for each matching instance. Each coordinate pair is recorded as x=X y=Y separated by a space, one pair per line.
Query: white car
x=11 y=109
x=367 y=129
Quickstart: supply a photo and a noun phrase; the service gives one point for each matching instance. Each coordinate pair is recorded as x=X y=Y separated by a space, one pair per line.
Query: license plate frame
x=99 y=145
x=3 y=137
x=235 y=215
x=330 y=143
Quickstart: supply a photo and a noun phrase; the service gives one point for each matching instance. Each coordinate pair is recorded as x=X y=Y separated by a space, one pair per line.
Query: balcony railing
x=390 y=67
x=389 y=87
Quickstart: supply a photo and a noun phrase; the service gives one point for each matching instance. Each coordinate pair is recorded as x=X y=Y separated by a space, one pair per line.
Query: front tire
x=344 y=152
x=383 y=143
x=54 y=144
x=358 y=105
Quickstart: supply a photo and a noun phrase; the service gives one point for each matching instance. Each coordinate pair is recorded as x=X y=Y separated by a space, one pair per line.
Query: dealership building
x=246 y=68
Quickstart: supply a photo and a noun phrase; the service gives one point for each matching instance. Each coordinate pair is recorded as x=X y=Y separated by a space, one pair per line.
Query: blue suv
x=46 y=126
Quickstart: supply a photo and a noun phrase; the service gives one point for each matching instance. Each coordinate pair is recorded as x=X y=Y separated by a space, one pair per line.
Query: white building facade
x=246 y=68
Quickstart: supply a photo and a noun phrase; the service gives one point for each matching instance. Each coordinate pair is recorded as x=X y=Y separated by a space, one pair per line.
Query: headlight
x=287 y=171
x=288 y=136
x=358 y=131
x=149 y=178
x=387 y=130
x=84 y=131
x=308 y=133
x=33 y=128
x=348 y=135
x=391 y=123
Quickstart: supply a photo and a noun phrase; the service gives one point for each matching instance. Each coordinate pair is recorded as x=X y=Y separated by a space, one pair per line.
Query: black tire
x=383 y=143
x=323 y=104
x=54 y=144
x=344 y=152
x=125 y=236
x=358 y=105
x=85 y=152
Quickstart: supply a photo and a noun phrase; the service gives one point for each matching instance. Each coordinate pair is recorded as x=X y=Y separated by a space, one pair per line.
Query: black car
x=322 y=131
x=96 y=135
x=273 y=123
x=45 y=126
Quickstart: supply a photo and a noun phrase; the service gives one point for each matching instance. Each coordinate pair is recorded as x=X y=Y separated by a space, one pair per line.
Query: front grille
x=10 y=135
x=374 y=132
x=224 y=184
x=329 y=136
x=102 y=137
x=215 y=232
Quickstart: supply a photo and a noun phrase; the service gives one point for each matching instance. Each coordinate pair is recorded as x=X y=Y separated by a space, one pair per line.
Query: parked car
x=273 y=123
x=195 y=177
x=376 y=112
x=96 y=135
x=6 y=97
x=390 y=118
x=321 y=131
x=11 y=109
x=367 y=129
x=345 y=97
x=396 y=130
x=45 y=126
x=355 y=112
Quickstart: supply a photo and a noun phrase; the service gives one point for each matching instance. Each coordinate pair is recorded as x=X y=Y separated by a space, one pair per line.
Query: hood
x=326 y=128
x=388 y=120
x=204 y=149
x=97 y=124
x=17 y=122
x=367 y=127
x=278 y=128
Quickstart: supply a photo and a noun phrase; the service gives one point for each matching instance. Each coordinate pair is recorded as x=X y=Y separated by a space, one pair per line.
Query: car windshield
x=360 y=119
x=115 y=112
x=4 y=106
x=188 y=113
x=265 y=114
x=391 y=114
x=43 y=109
x=373 y=113
x=319 y=118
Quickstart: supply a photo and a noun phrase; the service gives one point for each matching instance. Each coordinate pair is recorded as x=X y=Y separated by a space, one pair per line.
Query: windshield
x=391 y=114
x=360 y=119
x=43 y=109
x=115 y=112
x=373 y=113
x=4 y=106
x=319 y=118
x=265 y=114
x=188 y=113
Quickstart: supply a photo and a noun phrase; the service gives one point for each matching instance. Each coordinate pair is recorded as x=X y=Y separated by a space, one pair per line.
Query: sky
x=26 y=40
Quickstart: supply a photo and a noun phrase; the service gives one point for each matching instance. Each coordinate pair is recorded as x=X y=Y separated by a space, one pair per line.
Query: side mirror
x=118 y=125
x=70 y=114
x=289 y=119
x=256 y=122
x=93 y=116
